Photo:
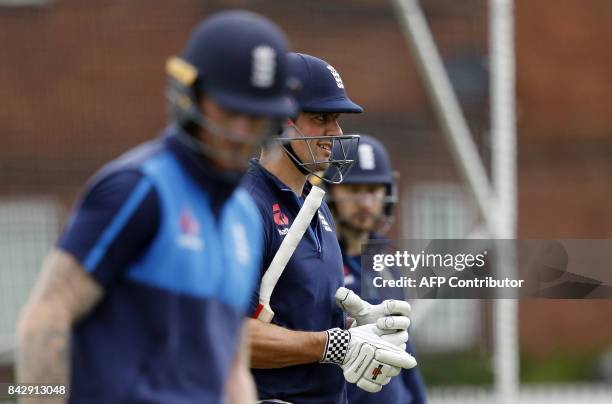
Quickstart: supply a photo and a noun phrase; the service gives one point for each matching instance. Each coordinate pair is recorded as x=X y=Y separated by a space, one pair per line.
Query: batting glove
x=366 y=313
x=365 y=358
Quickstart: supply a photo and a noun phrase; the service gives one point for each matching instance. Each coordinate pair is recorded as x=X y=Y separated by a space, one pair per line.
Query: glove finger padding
x=369 y=374
x=369 y=386
x=393 y=323
x=397 y=338
x=397 y=358
x=372 y=387
x=393 y=372
x=366 y=313
x=357 y=361
x=396 y=307
x=350 y=302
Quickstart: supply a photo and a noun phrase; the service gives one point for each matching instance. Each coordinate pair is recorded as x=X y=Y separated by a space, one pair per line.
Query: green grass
x=453 y=369
x=475 y=368
x=560 y=367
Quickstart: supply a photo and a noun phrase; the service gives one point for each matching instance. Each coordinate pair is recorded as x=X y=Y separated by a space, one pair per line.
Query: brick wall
x=83 y=81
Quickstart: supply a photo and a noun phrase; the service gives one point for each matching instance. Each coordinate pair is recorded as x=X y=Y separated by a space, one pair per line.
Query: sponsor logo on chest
x=280 y=220
x=189 y=227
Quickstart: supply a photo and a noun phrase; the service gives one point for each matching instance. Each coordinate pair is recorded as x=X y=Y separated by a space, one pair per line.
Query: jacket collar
x=273 y=181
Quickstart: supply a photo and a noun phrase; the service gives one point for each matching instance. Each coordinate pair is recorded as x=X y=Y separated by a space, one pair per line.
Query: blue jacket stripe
x=113 y=229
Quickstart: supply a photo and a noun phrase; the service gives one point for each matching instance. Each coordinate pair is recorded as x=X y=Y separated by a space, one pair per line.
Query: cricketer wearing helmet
x=305 y=354
x=363 y=209
x=143 y=300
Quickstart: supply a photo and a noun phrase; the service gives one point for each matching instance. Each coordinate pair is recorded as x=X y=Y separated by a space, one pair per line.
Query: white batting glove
x=366 y=313
x=365 y=358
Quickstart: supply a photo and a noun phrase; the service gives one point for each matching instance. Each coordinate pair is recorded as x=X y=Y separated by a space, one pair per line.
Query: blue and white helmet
x=373 y=166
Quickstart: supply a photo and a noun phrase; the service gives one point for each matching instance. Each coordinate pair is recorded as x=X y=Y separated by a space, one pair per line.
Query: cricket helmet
x=321 y=90
x=239 y=59
x=373 y=166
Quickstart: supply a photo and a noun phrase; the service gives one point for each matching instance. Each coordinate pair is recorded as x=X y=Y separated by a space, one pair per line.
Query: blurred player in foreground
x=144 y=298
x=363 y=209
x=305 y=354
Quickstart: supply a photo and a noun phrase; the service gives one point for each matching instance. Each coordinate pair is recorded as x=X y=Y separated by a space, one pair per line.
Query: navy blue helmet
x=321 y=90
x=373 y=166
x=239 y=59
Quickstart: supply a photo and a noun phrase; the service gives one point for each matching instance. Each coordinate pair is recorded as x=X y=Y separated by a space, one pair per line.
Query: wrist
x=315 y=346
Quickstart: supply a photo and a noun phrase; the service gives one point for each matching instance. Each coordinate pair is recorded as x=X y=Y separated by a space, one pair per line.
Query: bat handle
x=263 y=313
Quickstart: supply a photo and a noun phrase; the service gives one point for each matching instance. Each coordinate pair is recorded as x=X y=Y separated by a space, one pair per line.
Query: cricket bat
x=285 y=251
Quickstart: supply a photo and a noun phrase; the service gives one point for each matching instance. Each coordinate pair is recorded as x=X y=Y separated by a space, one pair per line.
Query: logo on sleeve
x=280 y=219
x=190 y=231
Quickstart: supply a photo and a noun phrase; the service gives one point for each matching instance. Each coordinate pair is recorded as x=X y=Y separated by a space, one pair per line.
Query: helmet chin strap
x=299 y=164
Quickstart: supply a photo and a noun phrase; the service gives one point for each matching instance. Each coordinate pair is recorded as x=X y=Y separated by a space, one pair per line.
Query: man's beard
x=363 y=222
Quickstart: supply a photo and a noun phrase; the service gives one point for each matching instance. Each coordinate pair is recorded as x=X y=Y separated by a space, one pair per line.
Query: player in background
x=363 y=209
x=144 y=297
x=304 y=355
